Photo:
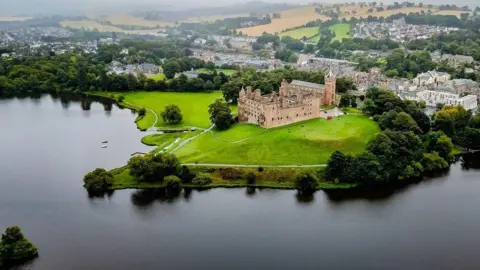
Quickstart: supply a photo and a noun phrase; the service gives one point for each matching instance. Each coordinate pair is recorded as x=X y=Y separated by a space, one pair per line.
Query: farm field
x=452 y=12
x=301 y=32
x=227 y=72
x=214 y=17
x=289 y=18
x=7 y=18
x=125 y=19
x=309 y=142
x=91 y=25
x=362 y=12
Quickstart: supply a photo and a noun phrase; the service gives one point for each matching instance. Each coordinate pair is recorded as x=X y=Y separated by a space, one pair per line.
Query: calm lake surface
x=48 y=144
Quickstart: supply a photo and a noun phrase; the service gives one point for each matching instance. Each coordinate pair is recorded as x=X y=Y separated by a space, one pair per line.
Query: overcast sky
x=74 y=7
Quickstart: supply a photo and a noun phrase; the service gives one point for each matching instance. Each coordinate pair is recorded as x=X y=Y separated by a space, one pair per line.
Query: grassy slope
x=194 y=106
x=310 y=142
x=227 y=72
x=301 y=32
x=341 y=30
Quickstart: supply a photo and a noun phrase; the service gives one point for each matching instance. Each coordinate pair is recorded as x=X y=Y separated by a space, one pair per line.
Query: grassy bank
x=276 y=178
x=194 y=107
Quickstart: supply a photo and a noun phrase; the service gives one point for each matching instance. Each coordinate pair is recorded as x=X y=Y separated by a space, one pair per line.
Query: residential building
x=431 y=98
x=431 y=77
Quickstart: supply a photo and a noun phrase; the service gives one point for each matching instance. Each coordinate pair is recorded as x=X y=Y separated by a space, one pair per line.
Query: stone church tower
x=330 y=87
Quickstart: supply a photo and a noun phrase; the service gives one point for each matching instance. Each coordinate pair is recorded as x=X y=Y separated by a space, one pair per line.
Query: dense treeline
x=69 y=72
x=270 y=81
x=460 y=42
x=410 y=144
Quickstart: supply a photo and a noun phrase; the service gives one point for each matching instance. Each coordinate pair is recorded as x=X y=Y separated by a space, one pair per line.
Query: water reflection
x=471 y=161
x=145 y=198
x=305 y=197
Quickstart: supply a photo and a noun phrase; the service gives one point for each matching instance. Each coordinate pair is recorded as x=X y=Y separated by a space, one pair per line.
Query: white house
x=431 y=77
x=432 y=98
x=199 y=41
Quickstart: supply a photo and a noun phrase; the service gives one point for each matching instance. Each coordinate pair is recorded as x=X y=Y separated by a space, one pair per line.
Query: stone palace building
x=295 y=101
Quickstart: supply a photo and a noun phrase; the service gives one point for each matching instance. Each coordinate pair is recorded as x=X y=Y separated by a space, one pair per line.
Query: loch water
x=48 y=143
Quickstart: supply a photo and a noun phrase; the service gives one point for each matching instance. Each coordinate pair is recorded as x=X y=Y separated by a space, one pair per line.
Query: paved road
x=254 y=166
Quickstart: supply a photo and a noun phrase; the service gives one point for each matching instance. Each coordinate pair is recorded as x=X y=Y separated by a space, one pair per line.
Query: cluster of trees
x=220 y=114
x=270 y=81
x=267 y=81
x=15 y=249
x=98 y=181
x=286 y=55
x=458 y=42
x=38 y=74
x=407 y=148
x=400 y=65
x=160 y=168
x=50 y=74
x=337 y=49
x=348 y=101
x=459 y=124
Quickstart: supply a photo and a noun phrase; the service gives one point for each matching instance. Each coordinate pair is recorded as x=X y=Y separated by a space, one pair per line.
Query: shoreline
x=286 y=181
x=284 y=178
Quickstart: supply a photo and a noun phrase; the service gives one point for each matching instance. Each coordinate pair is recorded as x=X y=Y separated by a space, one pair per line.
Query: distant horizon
x=30 y=8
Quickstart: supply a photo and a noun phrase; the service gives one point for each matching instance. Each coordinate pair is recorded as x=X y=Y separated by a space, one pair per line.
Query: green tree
x=217 y=81
x=307 y=182
x=172 y=114
x=335 y=166
x=344 y=84
x=170 y=69
x=345 y=101
x=220 y=114
x=208 y=86
x=172 y=181
x=432 y=162
x=223 y=120
x=153 y=167
x=15 y=249
x=98 y=181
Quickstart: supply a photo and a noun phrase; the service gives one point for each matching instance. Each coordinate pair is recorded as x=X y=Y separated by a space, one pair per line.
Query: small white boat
x=103 y=146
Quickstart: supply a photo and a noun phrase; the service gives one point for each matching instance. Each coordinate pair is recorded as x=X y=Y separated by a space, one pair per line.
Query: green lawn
x=310 y=142
x=227 y=72
x=341 y=30
x=301 y=32
x=158 y=77
x=194 y=107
